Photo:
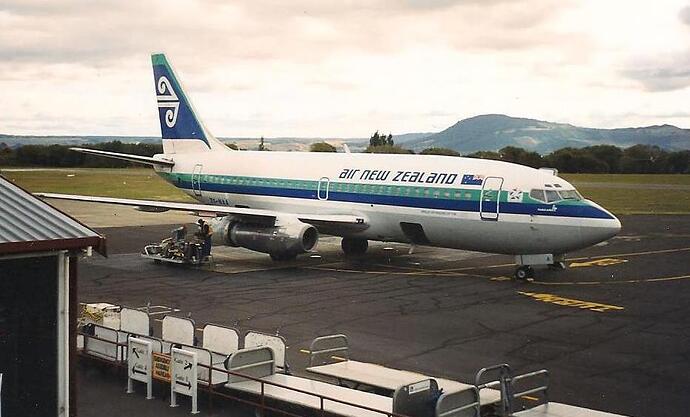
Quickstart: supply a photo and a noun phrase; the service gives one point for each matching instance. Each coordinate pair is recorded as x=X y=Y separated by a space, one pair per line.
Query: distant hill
x=489 y=132
x=492 y=132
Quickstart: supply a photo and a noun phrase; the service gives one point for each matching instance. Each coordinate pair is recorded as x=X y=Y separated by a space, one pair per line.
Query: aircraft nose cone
x=606 y=227
x=614 y=228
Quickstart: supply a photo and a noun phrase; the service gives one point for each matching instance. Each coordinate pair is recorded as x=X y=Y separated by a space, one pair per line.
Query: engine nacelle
x=283 y=240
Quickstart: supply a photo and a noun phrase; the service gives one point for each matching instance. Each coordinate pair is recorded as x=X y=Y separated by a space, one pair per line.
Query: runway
x=612 y=328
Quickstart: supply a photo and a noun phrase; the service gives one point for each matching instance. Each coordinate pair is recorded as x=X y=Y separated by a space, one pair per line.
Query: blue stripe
x=579 y=210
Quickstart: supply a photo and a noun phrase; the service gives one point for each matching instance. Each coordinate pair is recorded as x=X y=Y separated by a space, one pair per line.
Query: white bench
x=105 y=343
x=254 y=372
x=254 y=339
x=329 y=356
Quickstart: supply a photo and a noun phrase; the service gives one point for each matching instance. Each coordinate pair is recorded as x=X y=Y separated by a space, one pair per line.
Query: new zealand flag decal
x=470 y=179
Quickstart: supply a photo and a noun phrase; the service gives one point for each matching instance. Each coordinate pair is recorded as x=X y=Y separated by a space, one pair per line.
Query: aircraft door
x=489 y=202
x=196 y=179
x=322 y=188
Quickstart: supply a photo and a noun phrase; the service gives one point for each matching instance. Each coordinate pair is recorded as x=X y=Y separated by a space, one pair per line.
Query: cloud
x=684 y=15
x=311 y=67
x=662 y=73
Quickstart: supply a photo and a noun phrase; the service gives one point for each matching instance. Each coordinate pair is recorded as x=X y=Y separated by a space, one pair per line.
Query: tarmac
x=612 y=329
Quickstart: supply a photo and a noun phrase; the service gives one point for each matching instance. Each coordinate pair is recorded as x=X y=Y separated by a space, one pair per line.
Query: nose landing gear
x=524 y=272
x=525 y=263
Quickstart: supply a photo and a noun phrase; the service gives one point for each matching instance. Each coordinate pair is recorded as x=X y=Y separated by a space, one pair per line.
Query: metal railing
x=260 y=404
x=503 y=382
x=535 y=390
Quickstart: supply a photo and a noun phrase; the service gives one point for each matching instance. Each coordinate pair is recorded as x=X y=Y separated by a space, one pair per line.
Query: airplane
x=280 y=202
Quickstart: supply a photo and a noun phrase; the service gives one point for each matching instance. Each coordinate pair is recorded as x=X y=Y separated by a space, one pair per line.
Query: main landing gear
x=524 y=270
x=353 y=246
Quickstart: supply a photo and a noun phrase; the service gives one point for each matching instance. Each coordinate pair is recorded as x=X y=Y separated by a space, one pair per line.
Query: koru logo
x=167 y=99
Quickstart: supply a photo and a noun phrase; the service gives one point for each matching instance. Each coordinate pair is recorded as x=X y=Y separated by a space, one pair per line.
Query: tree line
x=599 y=159
x=62 y=156
x=638 y=159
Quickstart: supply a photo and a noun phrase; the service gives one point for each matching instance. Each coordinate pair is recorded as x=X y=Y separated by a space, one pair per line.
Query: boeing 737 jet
x=280 y=202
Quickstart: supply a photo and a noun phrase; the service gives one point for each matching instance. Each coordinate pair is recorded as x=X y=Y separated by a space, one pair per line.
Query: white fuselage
x=453 y=202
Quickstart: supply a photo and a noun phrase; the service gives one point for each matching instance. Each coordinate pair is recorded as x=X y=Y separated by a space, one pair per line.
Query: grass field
x=617 y=192
x=679 y=179
x=139 y=183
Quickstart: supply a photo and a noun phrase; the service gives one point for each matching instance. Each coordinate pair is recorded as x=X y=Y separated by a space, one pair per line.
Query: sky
x=318 y=68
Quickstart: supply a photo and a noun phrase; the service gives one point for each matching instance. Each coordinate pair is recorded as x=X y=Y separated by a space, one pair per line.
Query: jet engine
x=283 y=240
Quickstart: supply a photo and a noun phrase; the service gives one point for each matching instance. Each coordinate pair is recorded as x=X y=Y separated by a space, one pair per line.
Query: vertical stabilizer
x=181 y=128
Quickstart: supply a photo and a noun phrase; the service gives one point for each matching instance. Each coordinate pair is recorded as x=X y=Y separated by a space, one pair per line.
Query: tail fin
x=181 y=129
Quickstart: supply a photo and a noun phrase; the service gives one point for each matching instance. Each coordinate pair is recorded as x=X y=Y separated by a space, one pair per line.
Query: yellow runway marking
x=598 y=262
x=501 y=278
x=562 y=301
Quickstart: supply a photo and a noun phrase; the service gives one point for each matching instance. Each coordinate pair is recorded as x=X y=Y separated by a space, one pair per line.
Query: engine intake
x=283 y=240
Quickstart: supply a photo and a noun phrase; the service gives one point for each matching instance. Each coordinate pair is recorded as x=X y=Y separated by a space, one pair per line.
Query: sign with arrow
x=139 y=359
x=183 y=370
x=139 y=364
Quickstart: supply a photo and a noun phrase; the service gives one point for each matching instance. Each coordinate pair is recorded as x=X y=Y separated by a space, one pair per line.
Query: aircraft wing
x=325 y=220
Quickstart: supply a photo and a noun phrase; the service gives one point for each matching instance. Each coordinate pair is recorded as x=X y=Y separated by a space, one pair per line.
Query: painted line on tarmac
x=459 y=271
x=627 y=281
x=598 y=262
x=569 y=302
x=407 y=273
x=581 y=258
x=416 y=273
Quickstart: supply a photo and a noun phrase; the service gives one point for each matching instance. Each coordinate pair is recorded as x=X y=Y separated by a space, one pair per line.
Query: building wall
x=29 y=335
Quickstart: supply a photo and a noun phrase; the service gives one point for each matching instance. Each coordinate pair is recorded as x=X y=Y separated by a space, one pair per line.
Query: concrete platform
x=612 y=329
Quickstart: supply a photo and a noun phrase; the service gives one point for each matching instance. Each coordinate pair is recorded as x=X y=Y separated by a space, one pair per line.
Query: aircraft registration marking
x=585 y=305
x=598 y=262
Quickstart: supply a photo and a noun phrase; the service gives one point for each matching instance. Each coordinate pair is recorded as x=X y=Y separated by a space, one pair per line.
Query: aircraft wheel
x=523 y=272
x=353 y=246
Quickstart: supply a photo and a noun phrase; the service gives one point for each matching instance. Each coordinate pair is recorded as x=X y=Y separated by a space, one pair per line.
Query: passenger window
x=537 y=195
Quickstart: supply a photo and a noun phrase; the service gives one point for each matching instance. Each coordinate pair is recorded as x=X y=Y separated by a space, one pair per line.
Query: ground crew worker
x=204 y=234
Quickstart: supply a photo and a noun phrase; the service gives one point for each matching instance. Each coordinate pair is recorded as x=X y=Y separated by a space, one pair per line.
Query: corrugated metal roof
x=27 y=219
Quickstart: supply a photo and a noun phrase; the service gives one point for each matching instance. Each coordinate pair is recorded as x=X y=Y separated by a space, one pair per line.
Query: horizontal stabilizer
x=127 y=157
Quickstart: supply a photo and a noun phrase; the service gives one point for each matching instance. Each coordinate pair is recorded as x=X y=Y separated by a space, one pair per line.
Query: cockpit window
x=570 y=195
x=537 y=195
x=551 y=196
